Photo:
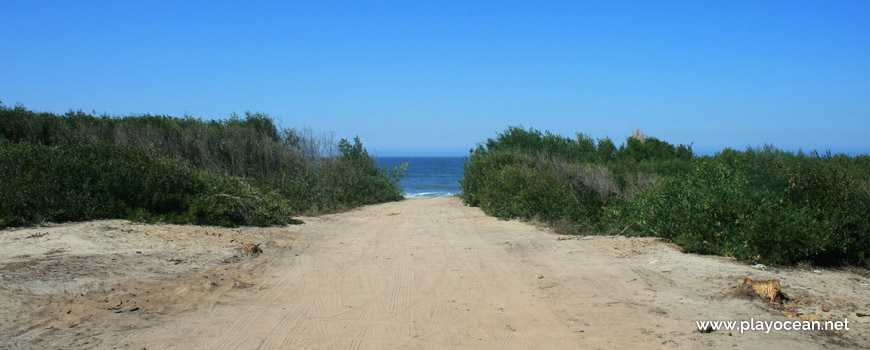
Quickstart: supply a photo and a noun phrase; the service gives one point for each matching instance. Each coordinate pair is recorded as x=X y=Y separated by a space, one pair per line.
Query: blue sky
x=435 y=77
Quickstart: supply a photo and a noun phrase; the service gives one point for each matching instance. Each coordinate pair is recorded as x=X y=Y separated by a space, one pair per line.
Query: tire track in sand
x=416 y=274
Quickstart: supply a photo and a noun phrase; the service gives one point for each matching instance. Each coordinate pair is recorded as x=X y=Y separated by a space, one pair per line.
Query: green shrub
x=760 y=205
x=240 y=171
x=529 y=174
x=98 y=180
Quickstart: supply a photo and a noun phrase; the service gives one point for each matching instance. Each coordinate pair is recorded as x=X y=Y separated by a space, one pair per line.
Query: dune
x=414 y=274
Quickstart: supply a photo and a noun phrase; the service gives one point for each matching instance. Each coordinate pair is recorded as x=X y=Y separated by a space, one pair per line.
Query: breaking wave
x=429 y=194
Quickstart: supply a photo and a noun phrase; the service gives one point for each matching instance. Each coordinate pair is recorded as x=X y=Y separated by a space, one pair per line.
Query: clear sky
x=436 y=77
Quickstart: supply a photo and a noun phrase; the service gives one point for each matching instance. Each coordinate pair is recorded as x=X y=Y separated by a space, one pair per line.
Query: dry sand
x=416 y=274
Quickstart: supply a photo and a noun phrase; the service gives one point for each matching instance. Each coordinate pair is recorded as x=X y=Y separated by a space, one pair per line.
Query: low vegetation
x=239 y=171
x=760 y=205
x=564 y=181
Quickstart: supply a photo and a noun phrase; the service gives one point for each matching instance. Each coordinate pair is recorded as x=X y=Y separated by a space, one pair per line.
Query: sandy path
x=433 y=274
x=423 y=275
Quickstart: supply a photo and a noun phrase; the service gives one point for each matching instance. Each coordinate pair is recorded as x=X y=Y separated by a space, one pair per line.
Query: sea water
x=427 y=177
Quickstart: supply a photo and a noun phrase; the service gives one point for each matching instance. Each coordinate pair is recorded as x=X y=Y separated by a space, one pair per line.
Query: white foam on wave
x=428 y=194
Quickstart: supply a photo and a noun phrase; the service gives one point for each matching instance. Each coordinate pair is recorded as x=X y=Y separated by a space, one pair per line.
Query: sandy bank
x=416 y=274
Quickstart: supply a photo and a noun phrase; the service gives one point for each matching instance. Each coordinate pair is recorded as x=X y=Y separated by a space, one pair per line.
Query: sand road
x=433 y=274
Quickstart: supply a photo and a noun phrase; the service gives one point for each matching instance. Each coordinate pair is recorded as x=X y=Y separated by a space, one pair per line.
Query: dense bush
x=241 y=171
x=761 y=205
x=534 y=175
x=99 y=180
x=251 y=146
x=329 y=184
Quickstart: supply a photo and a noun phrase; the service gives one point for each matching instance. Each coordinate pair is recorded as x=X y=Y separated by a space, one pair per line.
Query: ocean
x=428 y=177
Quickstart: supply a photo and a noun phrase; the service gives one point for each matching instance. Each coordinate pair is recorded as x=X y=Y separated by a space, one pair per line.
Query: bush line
x=760 y=205
x=239 y=171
